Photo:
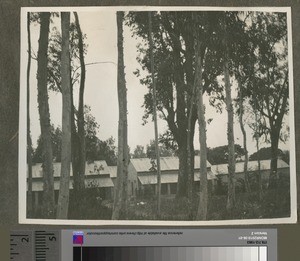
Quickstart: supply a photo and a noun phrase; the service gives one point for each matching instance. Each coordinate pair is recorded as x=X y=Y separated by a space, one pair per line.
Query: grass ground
x=273 y=204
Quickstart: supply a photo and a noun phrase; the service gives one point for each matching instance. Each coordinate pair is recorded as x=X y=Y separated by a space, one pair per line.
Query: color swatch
x=235 y=253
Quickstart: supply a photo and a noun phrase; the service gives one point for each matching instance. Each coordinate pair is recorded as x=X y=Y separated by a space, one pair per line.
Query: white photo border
x=23 y=124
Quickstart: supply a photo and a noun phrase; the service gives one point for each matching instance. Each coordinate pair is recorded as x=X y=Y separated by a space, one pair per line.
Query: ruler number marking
x=53 y=238
x=25 y=239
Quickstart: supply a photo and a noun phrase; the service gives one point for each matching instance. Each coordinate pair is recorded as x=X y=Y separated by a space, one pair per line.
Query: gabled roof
x=102 y=182
x=152 y=179
x=95 y=168
x=252 y=166
x=166 y=163
x=148 y=179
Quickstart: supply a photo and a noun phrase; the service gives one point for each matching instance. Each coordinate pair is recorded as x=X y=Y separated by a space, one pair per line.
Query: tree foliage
x=219 y=155
x=266 y=154
x=102 y=150
x=163 y=150
x=96 y=149
x=139 y=152
x=173 y=51
x=56 y=135
x=269 y=85
x=54 y=57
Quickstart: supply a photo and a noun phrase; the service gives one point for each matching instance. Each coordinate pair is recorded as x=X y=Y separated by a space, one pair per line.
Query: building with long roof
x=221 y=170
x=147 y=176
x=97 y=175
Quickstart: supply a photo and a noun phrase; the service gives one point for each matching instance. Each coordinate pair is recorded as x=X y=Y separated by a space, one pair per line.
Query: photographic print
x=156 y=116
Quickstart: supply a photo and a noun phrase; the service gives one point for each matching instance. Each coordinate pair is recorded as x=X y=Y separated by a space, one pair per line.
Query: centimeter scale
x=35 y=245
x=144 y=244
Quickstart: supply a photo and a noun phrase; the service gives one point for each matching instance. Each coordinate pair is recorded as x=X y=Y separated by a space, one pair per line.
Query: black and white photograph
x=156 y=116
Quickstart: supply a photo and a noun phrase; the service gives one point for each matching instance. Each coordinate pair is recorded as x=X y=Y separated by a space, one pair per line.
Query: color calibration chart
x=171 y=253
x=145 y=245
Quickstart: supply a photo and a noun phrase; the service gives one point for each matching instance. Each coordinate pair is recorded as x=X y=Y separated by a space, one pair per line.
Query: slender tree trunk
x=182 y=172
x=29 y=142
x=258 y=157
x=155 y=119
x=258 y=169
x=81 y=132
x=78 y=185
x=203 y=200
x=63 y=199
x=123 y=157
x=273 y=179
x=181 y=117
x=191 y=112
x=77 y=138
x=48 y=196
x=230 y=133
x=241 y=121
x=189 y=152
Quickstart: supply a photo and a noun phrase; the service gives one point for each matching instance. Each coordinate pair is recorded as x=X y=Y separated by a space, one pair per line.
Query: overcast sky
x=101 y=88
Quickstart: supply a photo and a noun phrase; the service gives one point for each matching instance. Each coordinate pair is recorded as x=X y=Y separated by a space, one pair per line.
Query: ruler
x=21 y=245
x=37 y=245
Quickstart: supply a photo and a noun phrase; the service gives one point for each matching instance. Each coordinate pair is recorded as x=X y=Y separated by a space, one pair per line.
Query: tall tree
x=174 y=70
x=199 y=56
x=269 y=90
x=77 y=51
x=155 y=118
x=230 y=132
x=242 y=66
x=48 y=198
x=168 y=51
x=80 y=116
x=243 y=130
x=63 y=199
x=29 y=142
x=120 y=200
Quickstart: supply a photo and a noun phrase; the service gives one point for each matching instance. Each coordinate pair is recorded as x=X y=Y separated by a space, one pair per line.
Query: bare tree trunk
x=241 y=107
x=182 y=172
x=273 y=179
x=190 y=147
x=191 y=116
x=48 y=197
x=63 y=199
x=203 y=200
x=258 y=169
x=78 y=184
x=29 y=142
x=258 y=157
x=230 y=134
x=120 y=199
x=77 y=200
x=81 y=132
x=155 y=119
